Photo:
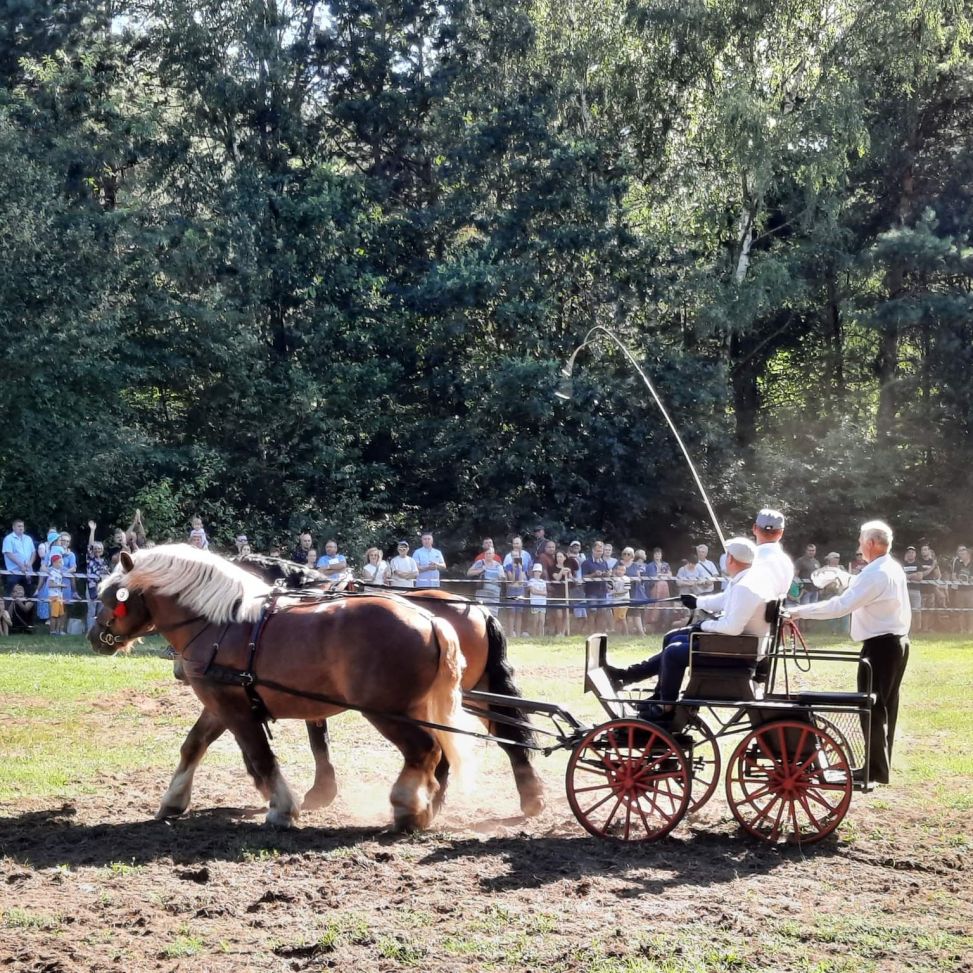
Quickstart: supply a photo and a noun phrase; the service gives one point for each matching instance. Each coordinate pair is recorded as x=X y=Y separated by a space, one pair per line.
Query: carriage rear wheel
x=705 y=763
x=628 y=780
x=789 y=781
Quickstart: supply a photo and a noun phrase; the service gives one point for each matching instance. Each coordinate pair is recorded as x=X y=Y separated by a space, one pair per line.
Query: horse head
x=124 y=615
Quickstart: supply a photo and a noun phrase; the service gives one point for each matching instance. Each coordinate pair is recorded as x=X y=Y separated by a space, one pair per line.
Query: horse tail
x=446 y=703
x=500 y=679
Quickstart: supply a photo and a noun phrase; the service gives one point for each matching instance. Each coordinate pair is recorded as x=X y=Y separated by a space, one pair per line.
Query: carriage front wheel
x=789 y=781
x=628 y=780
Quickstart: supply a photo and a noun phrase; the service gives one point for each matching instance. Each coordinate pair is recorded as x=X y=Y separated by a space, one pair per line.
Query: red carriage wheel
x=628 y=780
x=789 y=781
x=705 y=763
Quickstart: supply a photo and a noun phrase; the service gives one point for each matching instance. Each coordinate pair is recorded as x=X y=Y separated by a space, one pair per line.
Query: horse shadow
x=53 y=838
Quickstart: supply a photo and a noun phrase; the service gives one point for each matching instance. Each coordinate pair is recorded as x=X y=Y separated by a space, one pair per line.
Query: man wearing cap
x=403 y=569
x=878 y=602
x=745 y=611
x=768 y=529
x=241 y=542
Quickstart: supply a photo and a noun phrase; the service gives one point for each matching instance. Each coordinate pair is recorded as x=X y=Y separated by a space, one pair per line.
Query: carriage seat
x=731 y=667
x=596 y=679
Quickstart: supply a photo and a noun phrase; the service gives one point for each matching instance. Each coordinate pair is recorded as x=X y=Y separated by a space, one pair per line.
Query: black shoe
x=655 y=713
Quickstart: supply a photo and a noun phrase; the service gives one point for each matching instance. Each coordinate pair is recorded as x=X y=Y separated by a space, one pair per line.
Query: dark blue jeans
x=669 y=664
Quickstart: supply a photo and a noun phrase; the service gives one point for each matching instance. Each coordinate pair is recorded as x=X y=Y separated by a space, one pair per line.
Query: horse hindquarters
x=429 y=753
x=444 y=703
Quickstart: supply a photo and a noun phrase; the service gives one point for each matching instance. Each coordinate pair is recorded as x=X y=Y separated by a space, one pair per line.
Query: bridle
x=109 y=638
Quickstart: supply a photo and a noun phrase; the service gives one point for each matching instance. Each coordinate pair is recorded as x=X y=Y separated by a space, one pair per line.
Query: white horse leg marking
x=284 y=809
x=176 y=798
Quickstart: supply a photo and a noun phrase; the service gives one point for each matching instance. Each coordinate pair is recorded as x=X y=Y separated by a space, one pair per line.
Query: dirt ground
x=95 y=884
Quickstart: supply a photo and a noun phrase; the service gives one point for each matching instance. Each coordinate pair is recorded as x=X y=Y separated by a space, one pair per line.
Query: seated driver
x=745 y=605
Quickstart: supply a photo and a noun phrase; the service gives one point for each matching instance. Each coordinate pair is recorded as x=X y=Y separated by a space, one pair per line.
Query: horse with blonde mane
x=249 y=654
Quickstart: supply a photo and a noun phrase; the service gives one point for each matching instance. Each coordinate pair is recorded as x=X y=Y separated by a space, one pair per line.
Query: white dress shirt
x=877 y=600
x=745 y=606
x=772 y=560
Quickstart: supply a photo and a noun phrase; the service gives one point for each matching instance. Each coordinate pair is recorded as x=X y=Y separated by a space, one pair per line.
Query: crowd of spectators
x=535 y=588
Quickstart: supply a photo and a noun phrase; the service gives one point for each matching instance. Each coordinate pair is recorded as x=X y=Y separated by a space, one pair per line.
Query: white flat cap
x=742 y=549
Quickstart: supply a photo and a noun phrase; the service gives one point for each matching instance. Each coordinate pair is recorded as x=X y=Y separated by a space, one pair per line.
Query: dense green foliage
x=294 y=263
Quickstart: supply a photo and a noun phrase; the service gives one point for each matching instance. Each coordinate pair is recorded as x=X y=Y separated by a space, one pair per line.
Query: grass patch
x=18 y=918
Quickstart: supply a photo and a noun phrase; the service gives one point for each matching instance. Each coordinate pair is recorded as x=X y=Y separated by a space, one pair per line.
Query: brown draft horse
x=484 y=647
x=392 y=659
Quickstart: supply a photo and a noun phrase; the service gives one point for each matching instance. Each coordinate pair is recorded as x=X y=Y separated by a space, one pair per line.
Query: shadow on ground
x=53 y=837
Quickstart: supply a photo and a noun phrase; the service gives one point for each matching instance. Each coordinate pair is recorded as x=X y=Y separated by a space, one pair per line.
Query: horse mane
x=205 y=583
x=271 y=569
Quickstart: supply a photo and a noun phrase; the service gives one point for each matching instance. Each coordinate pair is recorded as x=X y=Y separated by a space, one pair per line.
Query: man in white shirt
x=745 y=603
x=768 y=529
x=430 y=562
x=878 y=601
x=403 y=569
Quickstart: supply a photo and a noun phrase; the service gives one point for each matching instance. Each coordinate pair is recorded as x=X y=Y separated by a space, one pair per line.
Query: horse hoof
x=167 y=811
x=315 y=799
x=281 y=819
x=410 y=823
x=532 y=805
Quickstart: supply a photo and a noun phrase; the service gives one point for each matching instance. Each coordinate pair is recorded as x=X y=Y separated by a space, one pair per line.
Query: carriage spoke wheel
x=789 y=781
x=705 y=763
x=628 y=780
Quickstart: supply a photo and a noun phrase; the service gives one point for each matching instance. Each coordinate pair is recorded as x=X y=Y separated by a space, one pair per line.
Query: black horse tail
x=500 y=679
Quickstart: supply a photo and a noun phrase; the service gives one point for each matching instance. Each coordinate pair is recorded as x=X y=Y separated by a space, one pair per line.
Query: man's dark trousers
x=888 y=655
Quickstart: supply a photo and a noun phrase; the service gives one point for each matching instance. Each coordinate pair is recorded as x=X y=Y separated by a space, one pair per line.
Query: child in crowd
x=618 y=592
x=537 y=593
x=55 y=588
x=197 y=536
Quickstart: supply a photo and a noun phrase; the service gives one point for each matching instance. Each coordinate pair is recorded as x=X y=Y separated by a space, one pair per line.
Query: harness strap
x=235 y=677
x=248 y=678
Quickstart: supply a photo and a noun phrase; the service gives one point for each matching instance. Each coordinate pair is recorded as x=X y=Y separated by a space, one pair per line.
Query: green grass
x=69 y=714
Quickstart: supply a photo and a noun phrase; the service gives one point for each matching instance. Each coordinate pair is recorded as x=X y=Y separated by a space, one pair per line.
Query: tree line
x=292 y=264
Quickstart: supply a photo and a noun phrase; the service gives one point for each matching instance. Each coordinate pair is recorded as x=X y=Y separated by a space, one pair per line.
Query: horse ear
x=125 y=559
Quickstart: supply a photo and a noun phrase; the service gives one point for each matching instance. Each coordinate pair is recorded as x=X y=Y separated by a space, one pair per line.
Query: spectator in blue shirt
x=429 y=562
x=18 y=558
x=517 y=565
x=331 y=564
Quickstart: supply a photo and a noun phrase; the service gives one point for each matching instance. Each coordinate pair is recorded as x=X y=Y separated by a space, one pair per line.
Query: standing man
x=430 y=562
x=595 y=573
x=242 y=544
x=540 y=541
x=331 y=564
x=547 y=560
x=878 y=602
x=403 y=569
x=806 y=566
x=299 y=554
x=962 y=584
x=18 y=558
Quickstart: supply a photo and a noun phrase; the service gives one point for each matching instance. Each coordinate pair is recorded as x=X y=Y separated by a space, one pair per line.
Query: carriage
x=798 y=759
x=798 y=755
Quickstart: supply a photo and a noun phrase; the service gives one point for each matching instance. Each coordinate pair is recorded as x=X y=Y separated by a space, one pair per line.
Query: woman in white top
x=376 y=568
